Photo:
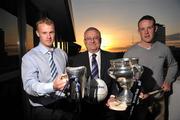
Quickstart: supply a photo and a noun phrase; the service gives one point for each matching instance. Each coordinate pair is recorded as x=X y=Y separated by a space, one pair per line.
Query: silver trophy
x=125 y=71
x=137 y=68
x=77 y=81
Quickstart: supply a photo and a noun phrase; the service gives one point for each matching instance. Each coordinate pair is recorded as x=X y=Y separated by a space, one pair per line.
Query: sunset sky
x=117 y=19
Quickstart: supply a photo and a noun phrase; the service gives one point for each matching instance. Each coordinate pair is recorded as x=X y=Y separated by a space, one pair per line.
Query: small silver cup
x=77 y=80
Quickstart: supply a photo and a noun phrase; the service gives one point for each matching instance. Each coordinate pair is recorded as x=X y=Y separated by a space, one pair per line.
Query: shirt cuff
x=49 y=87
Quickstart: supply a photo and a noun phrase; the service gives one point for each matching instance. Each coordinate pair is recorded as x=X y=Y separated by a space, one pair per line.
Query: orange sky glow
x=117 y=19
x=112 y=40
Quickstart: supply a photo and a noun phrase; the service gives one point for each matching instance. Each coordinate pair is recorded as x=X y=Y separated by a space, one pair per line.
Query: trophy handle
x=138 y=70
x=111 y=73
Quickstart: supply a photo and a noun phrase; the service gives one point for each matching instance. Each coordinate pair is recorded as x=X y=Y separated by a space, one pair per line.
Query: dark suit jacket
x=82 y=59
x=97 y=111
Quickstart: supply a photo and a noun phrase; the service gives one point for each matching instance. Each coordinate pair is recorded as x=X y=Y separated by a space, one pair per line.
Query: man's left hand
x=166 y=86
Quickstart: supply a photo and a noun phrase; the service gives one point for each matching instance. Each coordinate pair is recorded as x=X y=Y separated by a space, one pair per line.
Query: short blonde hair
x=44 y=20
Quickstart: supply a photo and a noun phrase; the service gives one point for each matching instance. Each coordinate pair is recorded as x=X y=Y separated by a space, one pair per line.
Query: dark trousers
x=101 y=112
x=117 y=115
x=140 y=113
x=91 y=111
x=151 y=110
x=60 y=110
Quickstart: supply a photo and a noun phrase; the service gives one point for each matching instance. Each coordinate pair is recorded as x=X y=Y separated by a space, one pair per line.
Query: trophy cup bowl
x=121 y=71
x=77 y=80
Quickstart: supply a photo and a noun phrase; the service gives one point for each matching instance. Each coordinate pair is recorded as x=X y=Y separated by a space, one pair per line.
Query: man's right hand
x=60 y=81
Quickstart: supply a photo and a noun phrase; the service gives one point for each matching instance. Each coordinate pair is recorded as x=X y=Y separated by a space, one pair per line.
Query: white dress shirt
x=98 y=59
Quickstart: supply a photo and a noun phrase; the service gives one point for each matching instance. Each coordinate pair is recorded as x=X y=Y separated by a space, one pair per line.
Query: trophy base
x=117 y=105
x=125 y=96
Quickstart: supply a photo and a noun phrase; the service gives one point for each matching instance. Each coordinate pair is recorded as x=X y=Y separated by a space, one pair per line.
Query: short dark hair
x=147 y=17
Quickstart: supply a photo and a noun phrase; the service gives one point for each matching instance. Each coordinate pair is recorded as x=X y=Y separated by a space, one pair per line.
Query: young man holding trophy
x=153 y=55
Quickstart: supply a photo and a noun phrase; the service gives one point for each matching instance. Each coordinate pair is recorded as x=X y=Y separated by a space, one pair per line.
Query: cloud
x=175 y=36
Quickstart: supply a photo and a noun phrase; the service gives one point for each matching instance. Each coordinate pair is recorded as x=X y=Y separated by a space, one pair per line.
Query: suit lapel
x=86 y=63
x=103 y=64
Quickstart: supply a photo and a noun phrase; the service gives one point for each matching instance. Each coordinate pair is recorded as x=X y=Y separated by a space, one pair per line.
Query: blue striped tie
x=52 y=65
x=94 y=71
x=54 y=72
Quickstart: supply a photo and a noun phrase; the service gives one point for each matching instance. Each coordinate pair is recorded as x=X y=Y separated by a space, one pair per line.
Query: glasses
x=90 y=39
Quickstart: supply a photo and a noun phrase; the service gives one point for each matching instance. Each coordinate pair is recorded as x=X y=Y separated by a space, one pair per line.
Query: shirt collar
x=44 y=49
x=97 y=53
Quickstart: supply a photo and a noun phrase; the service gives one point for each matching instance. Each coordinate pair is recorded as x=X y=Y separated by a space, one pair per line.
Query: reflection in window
x=9 y=42
x=29 y=38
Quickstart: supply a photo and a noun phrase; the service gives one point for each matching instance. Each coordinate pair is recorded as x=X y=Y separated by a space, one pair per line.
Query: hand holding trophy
x=125 y=71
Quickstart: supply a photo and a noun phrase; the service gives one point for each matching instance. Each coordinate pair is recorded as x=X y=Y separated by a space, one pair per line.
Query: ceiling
x=60 y=11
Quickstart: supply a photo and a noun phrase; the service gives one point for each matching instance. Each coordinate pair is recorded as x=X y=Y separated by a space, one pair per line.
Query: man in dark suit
x=92 y=41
